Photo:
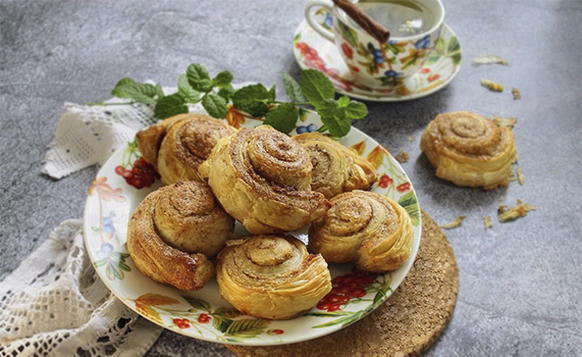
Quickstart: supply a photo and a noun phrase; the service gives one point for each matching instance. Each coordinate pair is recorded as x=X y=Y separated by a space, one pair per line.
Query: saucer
x=313 y=51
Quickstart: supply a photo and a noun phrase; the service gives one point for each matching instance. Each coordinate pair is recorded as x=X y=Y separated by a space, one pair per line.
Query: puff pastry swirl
x=469 y=150
x=173 y=231
x=366 y=228
x=262 y=178
x=178 y=145
x=271 y=277
x=336 y=168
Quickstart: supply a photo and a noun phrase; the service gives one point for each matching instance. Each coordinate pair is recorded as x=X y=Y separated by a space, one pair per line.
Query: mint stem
x=294 y=103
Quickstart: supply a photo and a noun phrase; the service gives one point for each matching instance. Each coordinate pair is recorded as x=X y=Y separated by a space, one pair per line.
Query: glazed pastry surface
x=336 y=168
x=363 y=227
x=272 y=277
x=469 y=150
x=178 y=145
x=174 y=230
x=263 y=179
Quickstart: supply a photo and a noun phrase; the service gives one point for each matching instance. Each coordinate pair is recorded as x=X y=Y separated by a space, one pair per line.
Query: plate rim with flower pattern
x=203 y=314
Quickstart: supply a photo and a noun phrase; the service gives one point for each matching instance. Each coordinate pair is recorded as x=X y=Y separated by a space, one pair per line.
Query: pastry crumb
x=411 y=138
x=520 y=176
x=402 y=157
x=492 y=86
x=454 y=224
x=490 y=59
x=506 y=213
x=505 y=122
x=487 y=222
x=516 y=93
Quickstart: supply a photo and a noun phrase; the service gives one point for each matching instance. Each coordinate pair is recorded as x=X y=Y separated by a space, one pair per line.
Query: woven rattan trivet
x=407 y=324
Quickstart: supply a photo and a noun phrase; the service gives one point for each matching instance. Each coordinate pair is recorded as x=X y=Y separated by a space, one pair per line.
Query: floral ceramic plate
x=203 y=314
x=313 y=51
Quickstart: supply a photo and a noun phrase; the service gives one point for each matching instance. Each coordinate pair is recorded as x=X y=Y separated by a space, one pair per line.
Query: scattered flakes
x=516 y=93
x=492 y=86
x=512 y=178
x=490 y=59
x=411 y=138
x=505 y=213
x=402 y=157
x=454 y=224
x=505 y=122
x=520 y=176
x=487 y=222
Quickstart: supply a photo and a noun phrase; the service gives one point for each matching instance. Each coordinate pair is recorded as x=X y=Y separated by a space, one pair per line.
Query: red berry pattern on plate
x=181 y=323
x=204 y=318
x=345 y=289
x=141 y=175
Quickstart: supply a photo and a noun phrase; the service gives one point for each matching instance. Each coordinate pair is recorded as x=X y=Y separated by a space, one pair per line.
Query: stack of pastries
x=181 y=234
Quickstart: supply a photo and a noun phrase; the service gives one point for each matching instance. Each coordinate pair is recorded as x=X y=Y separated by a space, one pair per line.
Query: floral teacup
x=374 y=64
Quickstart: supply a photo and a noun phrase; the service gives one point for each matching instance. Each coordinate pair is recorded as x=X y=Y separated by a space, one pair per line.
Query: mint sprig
x=216 y=94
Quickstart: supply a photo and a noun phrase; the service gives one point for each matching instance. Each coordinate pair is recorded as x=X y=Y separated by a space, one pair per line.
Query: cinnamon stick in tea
x=368 y=24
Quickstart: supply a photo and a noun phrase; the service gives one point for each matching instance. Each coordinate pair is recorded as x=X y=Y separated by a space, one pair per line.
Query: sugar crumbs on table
x=492 y=86
x=516 y=93
x=487 y=222
x=490 y=59
x=402 y=157
x=505 y=213
x=454 y=224
x=508 y=122
x=520 y=176
x=411 y=138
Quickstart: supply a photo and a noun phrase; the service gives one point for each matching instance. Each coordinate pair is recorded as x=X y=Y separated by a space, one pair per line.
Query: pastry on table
x=174 y=231
x=263 y=179
x=272 y=277
x=336 y=168
x=363 y=227
x=469 y=150
x=178 y=145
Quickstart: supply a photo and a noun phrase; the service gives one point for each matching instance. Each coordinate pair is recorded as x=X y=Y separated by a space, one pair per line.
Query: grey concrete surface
x=521 y=285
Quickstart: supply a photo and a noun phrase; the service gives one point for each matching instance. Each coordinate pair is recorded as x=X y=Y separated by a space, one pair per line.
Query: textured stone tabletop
x=521 y=285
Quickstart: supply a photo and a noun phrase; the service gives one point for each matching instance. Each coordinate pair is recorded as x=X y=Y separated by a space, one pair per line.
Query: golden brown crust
x=336 y=168
x=271 y=277
x=178 y=145
x=365 y=227
x=186 y=216
x=469 y=149
x=262 y=178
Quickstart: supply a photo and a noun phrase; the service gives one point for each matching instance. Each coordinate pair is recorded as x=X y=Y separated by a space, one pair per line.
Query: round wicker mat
x=407 y=324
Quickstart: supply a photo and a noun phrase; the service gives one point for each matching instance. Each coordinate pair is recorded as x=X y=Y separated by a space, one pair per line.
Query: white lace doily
x=54 y=304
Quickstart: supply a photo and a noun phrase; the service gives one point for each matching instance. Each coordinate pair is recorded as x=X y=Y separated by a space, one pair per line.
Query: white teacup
x=375 y=64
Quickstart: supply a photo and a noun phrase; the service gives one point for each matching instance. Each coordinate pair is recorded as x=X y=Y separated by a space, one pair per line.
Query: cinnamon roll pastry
x=262 y=178
x=178 y=145
x=336 y=168
x=363 y=227
x=174 y=230
x=469 y=150
x=272 y=277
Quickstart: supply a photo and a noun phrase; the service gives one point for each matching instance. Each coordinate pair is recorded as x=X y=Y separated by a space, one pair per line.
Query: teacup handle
x=309 y=16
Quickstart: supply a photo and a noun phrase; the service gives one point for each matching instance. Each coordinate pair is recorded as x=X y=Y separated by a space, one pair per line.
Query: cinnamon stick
x=367 y=23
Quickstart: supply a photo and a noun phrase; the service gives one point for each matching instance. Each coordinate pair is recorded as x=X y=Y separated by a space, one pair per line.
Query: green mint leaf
x=140 y=92
x=186 y=91
x=334 y=118
x=356 y=110
x=169 y=106
x=253 y=99
x=272 y=93
x=222 y=79
x=316 y=86
x=215 y=105
x=292 y=88
x=283 y=117
x=343 y=101
x=198 y=77
x=226 y=92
